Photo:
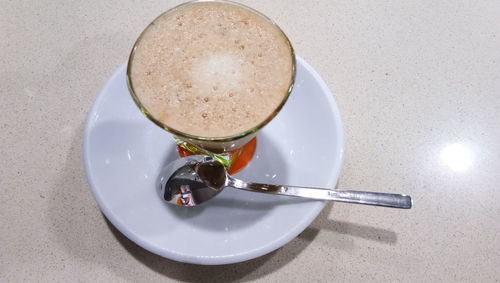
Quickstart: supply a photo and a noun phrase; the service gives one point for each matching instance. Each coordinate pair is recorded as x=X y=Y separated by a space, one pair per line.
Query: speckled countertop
x=418 y=86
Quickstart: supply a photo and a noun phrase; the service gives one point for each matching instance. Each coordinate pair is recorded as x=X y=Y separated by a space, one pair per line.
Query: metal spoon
x=193 y=180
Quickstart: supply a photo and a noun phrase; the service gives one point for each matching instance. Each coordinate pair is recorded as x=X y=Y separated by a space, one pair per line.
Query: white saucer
x=124 y=152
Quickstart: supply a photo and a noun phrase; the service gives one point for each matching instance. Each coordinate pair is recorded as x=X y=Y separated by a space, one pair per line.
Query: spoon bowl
x=192 y=180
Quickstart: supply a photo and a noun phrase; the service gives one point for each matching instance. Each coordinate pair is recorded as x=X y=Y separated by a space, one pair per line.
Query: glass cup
x=234 y=151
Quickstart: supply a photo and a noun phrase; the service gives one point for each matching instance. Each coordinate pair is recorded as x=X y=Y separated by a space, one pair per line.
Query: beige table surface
x=418 y=87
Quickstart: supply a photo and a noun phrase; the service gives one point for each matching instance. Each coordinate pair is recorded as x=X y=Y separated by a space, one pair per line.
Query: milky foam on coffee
x=211 y=69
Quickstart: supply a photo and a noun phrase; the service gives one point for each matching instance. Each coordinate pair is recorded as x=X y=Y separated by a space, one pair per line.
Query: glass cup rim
x=234 y=137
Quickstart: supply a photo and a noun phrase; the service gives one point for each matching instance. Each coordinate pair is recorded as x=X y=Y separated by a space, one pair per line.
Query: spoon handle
x=359 y=197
